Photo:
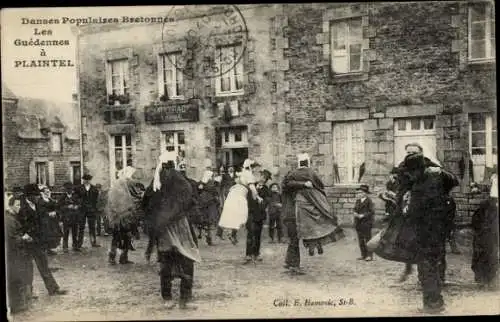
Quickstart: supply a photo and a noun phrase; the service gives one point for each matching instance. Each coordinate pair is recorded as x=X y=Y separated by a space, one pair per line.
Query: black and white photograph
x=250 y=161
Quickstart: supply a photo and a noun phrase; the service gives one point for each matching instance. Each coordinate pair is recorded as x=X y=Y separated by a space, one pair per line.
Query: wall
x=141 y=42
x=414 y=54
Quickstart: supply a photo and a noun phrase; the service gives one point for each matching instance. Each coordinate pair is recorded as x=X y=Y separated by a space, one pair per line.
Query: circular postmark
x=205 y=41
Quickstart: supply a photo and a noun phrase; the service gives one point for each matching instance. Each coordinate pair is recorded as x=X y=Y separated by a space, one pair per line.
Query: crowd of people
x=177 y=212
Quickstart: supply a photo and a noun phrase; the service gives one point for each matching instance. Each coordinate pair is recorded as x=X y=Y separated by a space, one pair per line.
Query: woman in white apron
x=235 y=210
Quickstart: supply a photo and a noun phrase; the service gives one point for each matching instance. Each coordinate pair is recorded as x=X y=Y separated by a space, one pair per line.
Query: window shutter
x=160 y=75
x=51 y=173
x=32 y=170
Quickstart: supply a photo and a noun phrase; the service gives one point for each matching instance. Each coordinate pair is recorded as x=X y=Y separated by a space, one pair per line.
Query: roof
x=7 y=93
x=35 y=114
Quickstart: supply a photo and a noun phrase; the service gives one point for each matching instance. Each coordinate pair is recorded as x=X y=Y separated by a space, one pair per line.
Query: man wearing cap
x=32 y=234
x=68 y=206
x=429 y=189
x=88 y=195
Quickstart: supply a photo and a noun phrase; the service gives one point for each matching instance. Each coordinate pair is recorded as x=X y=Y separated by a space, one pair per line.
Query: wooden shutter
x=32 y=171
x=52 y=177
x=109 y=84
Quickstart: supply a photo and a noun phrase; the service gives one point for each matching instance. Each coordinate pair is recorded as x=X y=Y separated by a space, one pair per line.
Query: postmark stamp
x=215 y=38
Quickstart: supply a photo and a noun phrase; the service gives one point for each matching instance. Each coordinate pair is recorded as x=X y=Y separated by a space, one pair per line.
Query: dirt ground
x=224 y=288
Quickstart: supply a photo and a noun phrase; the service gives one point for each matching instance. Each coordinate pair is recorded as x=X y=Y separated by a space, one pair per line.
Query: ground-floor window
x=232 y=146
x=42 y=173
x=76 y=174
x=348 y=151
x=174 y=141
x=421 y=130
x=121 y=153
x=482 y=143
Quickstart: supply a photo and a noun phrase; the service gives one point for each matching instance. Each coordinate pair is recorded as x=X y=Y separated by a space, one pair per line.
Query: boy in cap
x=363 y=221
x=68 y=206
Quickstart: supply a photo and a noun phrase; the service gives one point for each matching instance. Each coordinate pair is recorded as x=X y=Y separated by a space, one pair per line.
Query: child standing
x=363 y=221
x=274 y=212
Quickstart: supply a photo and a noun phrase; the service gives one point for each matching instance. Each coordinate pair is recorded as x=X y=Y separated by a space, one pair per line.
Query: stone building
x=349 y=83
x=41 y=141
x=365 y=79
x=168 y=98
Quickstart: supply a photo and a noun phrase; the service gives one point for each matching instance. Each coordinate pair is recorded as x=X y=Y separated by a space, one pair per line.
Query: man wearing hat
x=68 y=206
x=32 y=234
x=88 y=195
x=364 y=212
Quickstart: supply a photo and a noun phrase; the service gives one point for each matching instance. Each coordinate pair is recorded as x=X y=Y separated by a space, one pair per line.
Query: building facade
x=349 y=83
x=41 y=141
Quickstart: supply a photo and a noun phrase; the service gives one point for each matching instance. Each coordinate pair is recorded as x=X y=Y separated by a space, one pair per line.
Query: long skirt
x=235 y=211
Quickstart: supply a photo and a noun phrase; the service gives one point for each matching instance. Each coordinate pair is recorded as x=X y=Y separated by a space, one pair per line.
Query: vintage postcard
x=250 y=161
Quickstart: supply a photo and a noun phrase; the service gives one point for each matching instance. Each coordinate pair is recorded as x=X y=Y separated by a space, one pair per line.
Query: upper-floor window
x=346 y=46
x=118 y=77
x=481 y=31
x=482 y=143
x=56 y=142
x=171 y=77
x=229 y=60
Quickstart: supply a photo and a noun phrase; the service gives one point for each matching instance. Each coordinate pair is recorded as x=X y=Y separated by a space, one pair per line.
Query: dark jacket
x=367 y=209
x=68 y=207
x=256 y=210
x=274 y=207
x=88 y=199
x=30 y=222
x=51 y=231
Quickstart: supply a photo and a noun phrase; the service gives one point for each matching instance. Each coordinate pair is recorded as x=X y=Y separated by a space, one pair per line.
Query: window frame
x=348 y=54
x=237 y=69
x=73 y=165
x=165 y=60
x=352 y=181
x=124 y=151
x=178 y=147
x=231 y=143
x=124 y=74
x=410 y=132
x=38 y=173
x=488 y=44
x=489 y=157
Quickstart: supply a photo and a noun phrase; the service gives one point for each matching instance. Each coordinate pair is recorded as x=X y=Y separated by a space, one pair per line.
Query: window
x=348 y=151
x=419 y=130
x=174 y=141
x=482 y=143
x=230 y=70
x=76 y=174
x=171 y=78
x=481 y=31
x=122 y=145
x=118 y=77
x=346 y=46
x=42 y=173
x=56 y=142
x=234 y=137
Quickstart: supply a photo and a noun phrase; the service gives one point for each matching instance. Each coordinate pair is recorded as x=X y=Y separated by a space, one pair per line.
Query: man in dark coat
x=88 y=195
x=68 y=206
x=256 y=216
x=429 y=191
x=31 y=230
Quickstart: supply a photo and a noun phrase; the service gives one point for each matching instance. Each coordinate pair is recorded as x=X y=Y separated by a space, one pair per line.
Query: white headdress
x=303 y=157
x=247 y=163
x=164 y=158
x=207 y=175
